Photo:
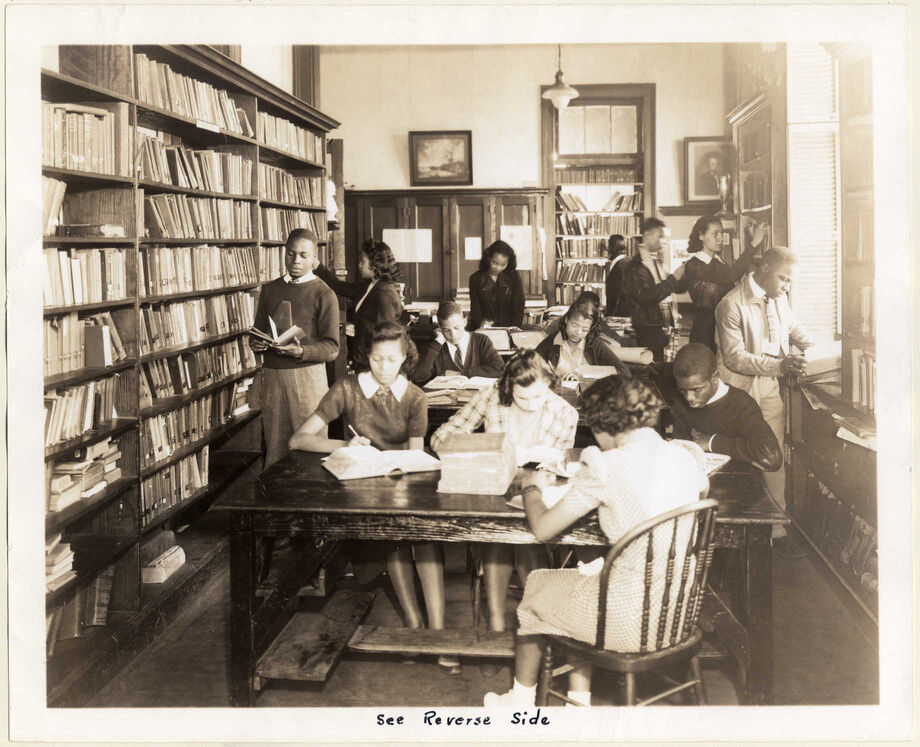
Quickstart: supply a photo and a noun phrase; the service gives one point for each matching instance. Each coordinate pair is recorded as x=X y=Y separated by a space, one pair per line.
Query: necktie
x=772 y=320
x=458 y=360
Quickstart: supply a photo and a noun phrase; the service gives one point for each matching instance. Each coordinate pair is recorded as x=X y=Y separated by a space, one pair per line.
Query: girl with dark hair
x=616 y=252
x=707 y=278
x=388 y=412
x=496 y=291
x=522 y=405
x=631 y=476
x=578 y=342
x=376 y=295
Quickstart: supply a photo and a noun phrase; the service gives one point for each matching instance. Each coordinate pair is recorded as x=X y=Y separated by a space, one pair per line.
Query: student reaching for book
x=382 y=408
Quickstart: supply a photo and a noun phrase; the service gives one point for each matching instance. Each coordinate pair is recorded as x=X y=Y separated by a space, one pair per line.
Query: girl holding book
x=630 y=477
x=522 y=405
x=383 y=409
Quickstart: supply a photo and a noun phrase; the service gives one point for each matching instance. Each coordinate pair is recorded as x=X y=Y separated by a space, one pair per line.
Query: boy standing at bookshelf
x=294 y=375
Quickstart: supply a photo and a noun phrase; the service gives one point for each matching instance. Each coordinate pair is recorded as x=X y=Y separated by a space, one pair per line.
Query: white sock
x=579 y=696
x=523 y=695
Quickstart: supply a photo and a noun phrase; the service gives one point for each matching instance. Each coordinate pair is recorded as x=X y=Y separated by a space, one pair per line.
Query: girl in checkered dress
x=634 y=476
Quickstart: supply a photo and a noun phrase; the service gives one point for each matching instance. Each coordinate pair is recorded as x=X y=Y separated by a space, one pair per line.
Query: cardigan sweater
x=482 y=359
x=597 y=353
x=501 y=302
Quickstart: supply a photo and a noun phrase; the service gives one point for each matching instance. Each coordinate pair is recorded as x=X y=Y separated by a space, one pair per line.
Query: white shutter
x=813 y=158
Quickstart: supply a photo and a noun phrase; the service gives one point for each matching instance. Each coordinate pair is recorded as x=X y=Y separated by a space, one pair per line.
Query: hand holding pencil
x=358 y=440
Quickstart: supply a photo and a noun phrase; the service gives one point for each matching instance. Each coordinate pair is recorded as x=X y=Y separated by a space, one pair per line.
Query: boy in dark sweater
x=719 y=417
x=455 y=349
x=294 y=375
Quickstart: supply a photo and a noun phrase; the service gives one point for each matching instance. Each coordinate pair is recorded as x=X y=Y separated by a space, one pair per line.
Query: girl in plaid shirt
x=522 y=405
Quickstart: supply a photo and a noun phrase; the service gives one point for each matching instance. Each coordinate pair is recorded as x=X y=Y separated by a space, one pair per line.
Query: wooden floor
x=821 y=657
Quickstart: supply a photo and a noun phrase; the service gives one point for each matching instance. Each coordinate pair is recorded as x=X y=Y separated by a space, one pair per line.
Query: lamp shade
x=560 y=93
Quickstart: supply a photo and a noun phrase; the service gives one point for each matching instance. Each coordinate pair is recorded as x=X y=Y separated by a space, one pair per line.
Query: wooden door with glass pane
x=471 y=233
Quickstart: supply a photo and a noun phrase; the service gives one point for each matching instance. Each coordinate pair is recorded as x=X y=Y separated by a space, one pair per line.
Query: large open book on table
x=440 y=383
x=352 y=462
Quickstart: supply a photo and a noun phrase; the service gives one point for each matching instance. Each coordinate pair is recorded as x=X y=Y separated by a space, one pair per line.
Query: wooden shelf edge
x=149 y=184
x=77 y=175
x=119 y=426
x=56 y=310
x=80 y=375
x=90 y=240
x=54 y=520
x=290 y=156
x=52 y=75
x=189 y=347
x=294 y=205
x=163 y=298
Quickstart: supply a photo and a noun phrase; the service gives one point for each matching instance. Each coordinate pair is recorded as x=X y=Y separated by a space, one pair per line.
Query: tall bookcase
x=179 y=390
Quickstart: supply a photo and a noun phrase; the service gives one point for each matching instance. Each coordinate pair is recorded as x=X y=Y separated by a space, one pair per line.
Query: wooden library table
x=298 y=497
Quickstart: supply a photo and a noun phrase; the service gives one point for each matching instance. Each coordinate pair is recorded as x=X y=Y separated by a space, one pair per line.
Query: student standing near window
x=496 y=291
x=294 y=375
x=456 y=349
x=521 y=405
x=708 y=278
x=376 y=295
x=645 y=288
x=388 y=412
x=616 y=251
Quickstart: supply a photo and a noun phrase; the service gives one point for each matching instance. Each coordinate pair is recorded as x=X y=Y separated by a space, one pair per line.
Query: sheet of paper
x=472 y=248
x=715 y=461
x=521 y=240
x=551 y=495
x=409 y=244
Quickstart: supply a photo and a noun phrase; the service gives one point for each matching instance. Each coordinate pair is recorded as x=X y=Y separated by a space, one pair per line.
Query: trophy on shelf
x=724 y=187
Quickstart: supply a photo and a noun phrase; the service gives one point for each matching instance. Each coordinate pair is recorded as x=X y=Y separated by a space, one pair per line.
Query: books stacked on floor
x=80 y=409
x=171 y=216
x=277 y=223
x=568 y=272
x=863 y=378
x=78 y=276
x=94 y=137
x=53 y=191
x=598 y=175
x=595 y=224
x=72 y=343
x=58 y=563
x=94 y=471
x=183 y=269
x=162 y=435
x=158 y=84
x=571 y=247
x=278 y=184
x=180 y=374
x=160 y=557
x=165 y=159
x=185 y=322
x=172 y=485
x=271 y=262
x=239 y=402
x=283 y=135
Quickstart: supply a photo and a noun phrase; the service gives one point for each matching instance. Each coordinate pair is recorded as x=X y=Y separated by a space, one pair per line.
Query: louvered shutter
x=814 y=187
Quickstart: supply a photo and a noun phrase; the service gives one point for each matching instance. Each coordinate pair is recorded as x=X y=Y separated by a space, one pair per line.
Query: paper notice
x=521 y=240
x=472 y=248
x=409 y=244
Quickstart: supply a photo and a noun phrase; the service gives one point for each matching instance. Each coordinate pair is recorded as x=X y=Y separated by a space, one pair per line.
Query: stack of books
x=278 y=184
x=174 y=484
x=73 y=480
x=286 y=136
x=94 y=137
x=171 y=216
x=58 y=563
x=184 y=269
x=78 y=276
x=239 y=403
x=478 y=463
x=187 y=322
x=277 y=223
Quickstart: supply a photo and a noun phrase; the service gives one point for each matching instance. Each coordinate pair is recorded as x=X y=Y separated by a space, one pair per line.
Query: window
x=589 y=129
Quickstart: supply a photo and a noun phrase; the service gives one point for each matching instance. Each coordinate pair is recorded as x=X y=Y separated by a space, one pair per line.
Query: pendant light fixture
x=560 y=93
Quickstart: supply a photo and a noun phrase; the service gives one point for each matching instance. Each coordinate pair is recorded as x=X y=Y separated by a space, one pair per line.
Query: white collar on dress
x=559 y=339
x=369 y=385
x=704 y=257
x=721 y=391
x=306 y=277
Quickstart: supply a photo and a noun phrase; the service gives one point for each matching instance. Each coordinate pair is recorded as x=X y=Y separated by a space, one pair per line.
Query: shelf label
x=200 y=123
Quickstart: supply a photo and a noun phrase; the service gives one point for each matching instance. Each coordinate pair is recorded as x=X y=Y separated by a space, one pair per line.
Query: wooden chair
x=661 y=643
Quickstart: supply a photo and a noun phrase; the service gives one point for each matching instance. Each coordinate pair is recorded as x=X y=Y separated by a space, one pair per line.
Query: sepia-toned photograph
x=337 y=412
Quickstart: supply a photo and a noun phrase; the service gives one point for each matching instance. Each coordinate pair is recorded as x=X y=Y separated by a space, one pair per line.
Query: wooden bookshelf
x=107 y=76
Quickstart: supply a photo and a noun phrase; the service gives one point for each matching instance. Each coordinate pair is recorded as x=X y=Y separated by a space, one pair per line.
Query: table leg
x=242 y=597
x=758 y=606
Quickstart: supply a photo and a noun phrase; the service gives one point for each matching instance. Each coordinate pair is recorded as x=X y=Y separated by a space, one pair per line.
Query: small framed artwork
x=441 y=158
x=705 y=160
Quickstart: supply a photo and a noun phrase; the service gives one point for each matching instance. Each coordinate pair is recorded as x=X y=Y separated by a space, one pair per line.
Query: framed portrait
x=441 y=158
x=705 y=160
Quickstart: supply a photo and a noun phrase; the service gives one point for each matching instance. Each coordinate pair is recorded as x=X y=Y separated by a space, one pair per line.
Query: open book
x=291 y=334
x=439 y=383
x=352 y=462
x=822 y=358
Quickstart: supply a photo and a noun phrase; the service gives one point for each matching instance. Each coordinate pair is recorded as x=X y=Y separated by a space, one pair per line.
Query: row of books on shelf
x=617 y=202
x=844 y=536
x=278 y=184
x=597 y=175
x=593 y=248
x=863 y=378
x=277 y=223
x=182 y=373
x=163 y=434
x=156 y=83
x=271 y=262
x=172 y=216
x=173 y=484
x=586 y=271
x=79 y=276
x=579 y=225
x=187 y=322
x=72 y=480
x=184 y=269
x=58 y=563
x=73 y=411
x=165 y=159
x=286 y=136
x=71 y=343
x=53 y=191
x=92 y=137
x=87 y=608
x=566 y=294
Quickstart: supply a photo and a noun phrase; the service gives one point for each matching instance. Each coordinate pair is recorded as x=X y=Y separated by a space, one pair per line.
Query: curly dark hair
x=523 y=369
x=616 y=245
x=699 y=228
x=498 y=247
x=382 y=332
x=586 y=308
x=614 y=404
x=383 y=263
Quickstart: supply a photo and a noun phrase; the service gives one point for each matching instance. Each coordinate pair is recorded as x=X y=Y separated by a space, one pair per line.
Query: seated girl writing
x=522 y=405
x=385 y=410
x=634 y=476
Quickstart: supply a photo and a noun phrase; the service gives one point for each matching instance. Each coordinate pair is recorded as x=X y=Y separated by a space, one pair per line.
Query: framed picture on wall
x=441 y=158
x=705 y=160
